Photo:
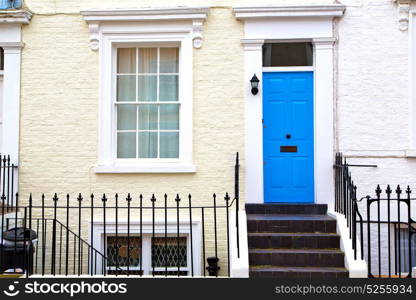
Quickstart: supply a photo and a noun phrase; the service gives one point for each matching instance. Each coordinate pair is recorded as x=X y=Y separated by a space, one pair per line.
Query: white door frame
x=290 y=24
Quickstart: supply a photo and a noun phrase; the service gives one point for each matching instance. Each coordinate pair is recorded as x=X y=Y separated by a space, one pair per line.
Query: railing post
x=165 y=251
x=368 y=237
x=153 y=200
x=117 y=246
x=141 y=234
x=55 y=203
x=92 y=261
x=177 y=199
x=227 y=199
x=15 y=230
x=128 y=199
x=388 y=193
x=67 y=236
x=398 y=192
x=43 y=235
x=215 y=227
x=191 y=236
x=237 y=199
x=104 y=267
x=79 y=199
x=409 y=227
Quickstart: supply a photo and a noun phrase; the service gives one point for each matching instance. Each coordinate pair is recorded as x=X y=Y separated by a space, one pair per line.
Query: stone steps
x=270 y=240
x=290 y=223
x=297 y=272
x=293 y=241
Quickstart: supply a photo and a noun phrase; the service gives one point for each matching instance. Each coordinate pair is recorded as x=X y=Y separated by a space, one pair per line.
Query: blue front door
x=288 y=137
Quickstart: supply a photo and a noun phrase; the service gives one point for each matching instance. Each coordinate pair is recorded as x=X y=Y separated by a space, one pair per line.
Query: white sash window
x=147 y=103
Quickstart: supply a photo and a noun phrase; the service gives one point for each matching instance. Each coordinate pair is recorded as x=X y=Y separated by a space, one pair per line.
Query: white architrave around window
x=11 y=42
x=147 y=231
x=165 y=144
x=274 y=24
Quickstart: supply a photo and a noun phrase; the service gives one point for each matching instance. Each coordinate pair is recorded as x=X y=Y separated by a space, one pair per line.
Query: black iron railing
x=387 y=234
x=123 y=235
x=8 y=183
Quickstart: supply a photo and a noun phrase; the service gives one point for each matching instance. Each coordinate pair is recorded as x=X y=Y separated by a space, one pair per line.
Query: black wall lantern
x=254 y=84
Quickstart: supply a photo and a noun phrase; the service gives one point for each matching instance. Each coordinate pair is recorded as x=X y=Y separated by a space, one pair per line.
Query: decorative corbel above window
x=403 y=13
x=194 y=15
x=19 y=16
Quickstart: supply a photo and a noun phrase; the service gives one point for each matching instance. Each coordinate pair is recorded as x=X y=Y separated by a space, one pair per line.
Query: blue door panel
x=288 y=110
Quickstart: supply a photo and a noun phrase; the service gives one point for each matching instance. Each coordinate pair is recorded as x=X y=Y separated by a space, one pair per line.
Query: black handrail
x=346 y=203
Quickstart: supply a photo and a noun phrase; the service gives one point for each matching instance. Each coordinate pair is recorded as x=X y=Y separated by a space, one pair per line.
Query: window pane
x=126 y=88
x=148 y=117
x=169 y=60
x=169 y=145
x=287 y=54
x=165 y=252
x=126 y=60
x=117 y=251
x=126 y=117
x=147 y=144
x=126 y=145
x=147 y=88
x=148 y=60
x=168 y=88
x=169 y=116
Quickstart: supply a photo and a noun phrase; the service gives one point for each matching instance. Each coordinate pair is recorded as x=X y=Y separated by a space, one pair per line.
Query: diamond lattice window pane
x=165 y=252
x=117 y=249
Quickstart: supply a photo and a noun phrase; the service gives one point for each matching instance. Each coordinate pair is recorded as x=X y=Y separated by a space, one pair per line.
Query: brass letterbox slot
x=292 y=149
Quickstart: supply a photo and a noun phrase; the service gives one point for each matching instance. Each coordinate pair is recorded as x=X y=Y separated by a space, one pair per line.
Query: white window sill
x=143 y=168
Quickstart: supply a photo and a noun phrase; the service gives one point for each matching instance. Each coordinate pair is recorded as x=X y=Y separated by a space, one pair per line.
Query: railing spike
x=378 y=190
x=227 y=197
x=153 y=199
x=79 y=197
x=128 y=199
x=177 y=199
x=398 y=190
x=408 y=190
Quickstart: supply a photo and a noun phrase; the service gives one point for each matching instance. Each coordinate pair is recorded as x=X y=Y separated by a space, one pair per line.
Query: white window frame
x=147 y=231
x=108 y=28
x=147 y=256
x=108 y=163
x=392 y=247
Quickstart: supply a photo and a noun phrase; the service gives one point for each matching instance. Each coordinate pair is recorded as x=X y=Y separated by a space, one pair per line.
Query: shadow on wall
x=6 y=4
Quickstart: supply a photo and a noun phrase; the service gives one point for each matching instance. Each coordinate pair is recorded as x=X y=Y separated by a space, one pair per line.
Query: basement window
x=287 y=54
x=403 y=248
x=163 y=255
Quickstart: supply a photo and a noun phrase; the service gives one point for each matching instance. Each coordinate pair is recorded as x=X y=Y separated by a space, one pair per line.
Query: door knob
x=288 y=136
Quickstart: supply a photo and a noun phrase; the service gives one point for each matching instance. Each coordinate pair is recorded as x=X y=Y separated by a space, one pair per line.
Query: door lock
x=288 y=136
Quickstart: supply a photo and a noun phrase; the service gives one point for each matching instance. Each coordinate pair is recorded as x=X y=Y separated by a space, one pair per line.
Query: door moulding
x=282 y=23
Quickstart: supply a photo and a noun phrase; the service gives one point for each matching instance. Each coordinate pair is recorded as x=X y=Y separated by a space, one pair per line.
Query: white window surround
x=111 y=28
x=291 y=23
x=411 y=152
x=184 y=230
x=11 y=42
x=403 y=8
